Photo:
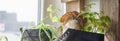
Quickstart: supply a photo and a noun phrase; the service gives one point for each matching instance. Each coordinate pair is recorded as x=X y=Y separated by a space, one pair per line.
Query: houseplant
x=96 y=22
x=93 y=30
x=41 y=31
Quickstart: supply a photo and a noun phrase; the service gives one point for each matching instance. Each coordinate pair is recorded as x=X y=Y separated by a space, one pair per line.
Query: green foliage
x=45 y=28
x=88 y=6
x=53 y=12
x=96 y=22
x=42 y=26
x=3 y=37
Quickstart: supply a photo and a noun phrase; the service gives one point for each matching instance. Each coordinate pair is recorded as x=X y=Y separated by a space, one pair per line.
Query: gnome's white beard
x=71 y=24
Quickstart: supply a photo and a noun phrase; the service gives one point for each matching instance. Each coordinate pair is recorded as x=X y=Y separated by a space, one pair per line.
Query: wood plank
x=82 y=5
x=75 y=5
x=118 y=29
x=68 y=0
x=111 y=9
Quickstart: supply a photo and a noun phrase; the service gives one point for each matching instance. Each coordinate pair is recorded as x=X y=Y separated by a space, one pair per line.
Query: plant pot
x=77 y=35
x=33 y=35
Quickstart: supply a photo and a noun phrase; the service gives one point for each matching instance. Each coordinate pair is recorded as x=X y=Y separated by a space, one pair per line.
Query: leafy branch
x=96 y=22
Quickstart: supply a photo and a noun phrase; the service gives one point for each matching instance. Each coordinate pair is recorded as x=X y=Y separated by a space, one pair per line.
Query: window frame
x=40 y=10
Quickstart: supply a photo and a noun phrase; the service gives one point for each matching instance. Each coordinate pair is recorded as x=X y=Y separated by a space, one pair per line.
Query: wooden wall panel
x=118 y=29
x=75 y=5
x=72 y=6
x=68 y=0
x=111 y=9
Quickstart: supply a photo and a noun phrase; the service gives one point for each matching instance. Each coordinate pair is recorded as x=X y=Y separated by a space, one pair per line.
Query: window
x=17 y=13
x=96 y=6
x=40 y=10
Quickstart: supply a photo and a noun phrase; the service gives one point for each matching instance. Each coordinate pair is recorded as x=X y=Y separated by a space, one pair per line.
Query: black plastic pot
x=33 y=35
x=77 y=35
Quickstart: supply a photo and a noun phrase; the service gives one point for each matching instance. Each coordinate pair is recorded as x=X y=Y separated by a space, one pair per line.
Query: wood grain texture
x=68 y=1
x=82 y=5
x=119 y=20
x=75 y=5
x=111 y=9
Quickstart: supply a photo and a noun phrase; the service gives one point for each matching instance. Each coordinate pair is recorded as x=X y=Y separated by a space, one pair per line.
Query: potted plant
x=93 y=30
x=41 y=31
x=96 y=22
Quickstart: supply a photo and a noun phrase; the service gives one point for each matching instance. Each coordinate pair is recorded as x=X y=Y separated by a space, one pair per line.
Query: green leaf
x=88 y=27
x=108 y=19
x=3 y=37
x=6 y=38
x=99 y=30
x=89 y=5
x=50 y=9
x=105 y=19
x=55 y=19
x=104 y=24
x=0 y=38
